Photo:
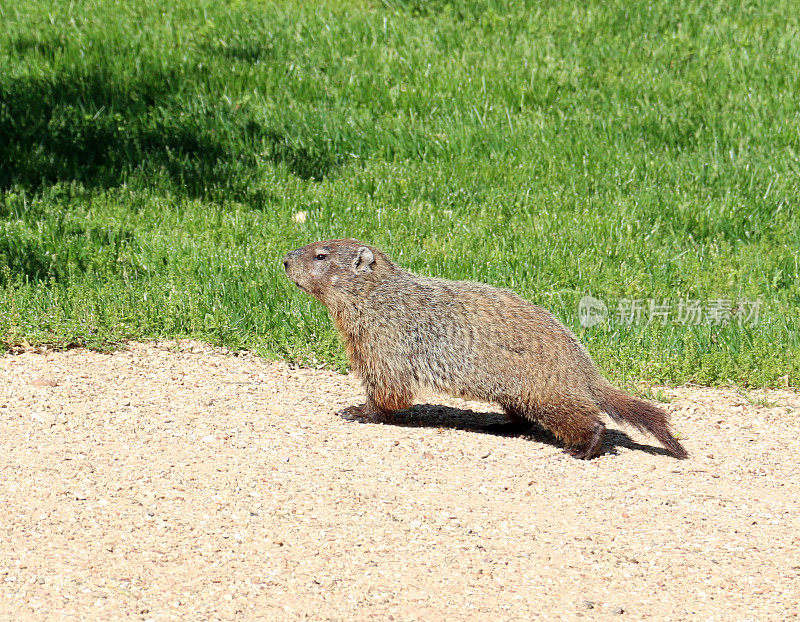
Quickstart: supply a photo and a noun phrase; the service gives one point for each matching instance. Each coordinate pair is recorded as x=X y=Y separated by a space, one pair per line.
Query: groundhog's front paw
x=359 y=413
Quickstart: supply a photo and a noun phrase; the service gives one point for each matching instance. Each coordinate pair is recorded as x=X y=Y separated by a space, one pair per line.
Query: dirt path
x=176 y=481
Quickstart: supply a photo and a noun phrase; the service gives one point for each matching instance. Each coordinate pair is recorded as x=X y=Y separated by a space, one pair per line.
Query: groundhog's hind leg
x=578 y=425
x=591 y=444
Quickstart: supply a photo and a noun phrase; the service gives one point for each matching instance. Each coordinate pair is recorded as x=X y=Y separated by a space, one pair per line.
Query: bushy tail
x=641 y=415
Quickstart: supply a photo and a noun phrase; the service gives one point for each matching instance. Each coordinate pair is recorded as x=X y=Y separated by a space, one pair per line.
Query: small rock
x=45 y=382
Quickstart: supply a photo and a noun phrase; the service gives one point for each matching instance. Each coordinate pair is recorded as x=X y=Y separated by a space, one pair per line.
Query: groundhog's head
x=336 y=270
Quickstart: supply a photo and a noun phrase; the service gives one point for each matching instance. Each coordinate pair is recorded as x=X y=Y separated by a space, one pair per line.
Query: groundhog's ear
x=364 y=260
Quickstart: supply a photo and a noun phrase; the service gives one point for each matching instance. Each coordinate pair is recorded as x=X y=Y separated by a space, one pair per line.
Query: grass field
x=154 y=157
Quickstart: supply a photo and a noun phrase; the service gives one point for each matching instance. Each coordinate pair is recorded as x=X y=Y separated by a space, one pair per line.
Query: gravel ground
x=175 y=480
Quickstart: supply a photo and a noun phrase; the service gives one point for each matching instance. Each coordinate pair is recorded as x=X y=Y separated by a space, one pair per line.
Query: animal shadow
x=495 y=424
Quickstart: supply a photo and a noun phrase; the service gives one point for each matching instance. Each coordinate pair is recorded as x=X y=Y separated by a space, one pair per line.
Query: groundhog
x=406 y=333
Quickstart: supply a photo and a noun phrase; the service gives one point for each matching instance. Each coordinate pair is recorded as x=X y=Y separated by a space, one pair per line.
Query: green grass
x=152 y=156
x=654 y=396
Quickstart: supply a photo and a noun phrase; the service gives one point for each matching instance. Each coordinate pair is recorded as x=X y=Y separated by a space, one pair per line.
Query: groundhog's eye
x=320 y=256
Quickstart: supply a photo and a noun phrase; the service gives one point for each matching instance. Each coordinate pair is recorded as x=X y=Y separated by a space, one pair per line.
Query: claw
x=359 y=414
x=581 y=453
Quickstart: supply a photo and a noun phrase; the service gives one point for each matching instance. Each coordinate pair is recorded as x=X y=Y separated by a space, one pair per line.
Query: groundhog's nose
x=289 y=257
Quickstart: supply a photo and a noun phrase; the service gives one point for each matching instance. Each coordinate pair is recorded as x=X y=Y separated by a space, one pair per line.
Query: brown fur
x=406 y=333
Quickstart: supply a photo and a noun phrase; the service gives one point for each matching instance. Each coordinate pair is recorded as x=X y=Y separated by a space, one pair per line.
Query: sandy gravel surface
x=176 y=481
